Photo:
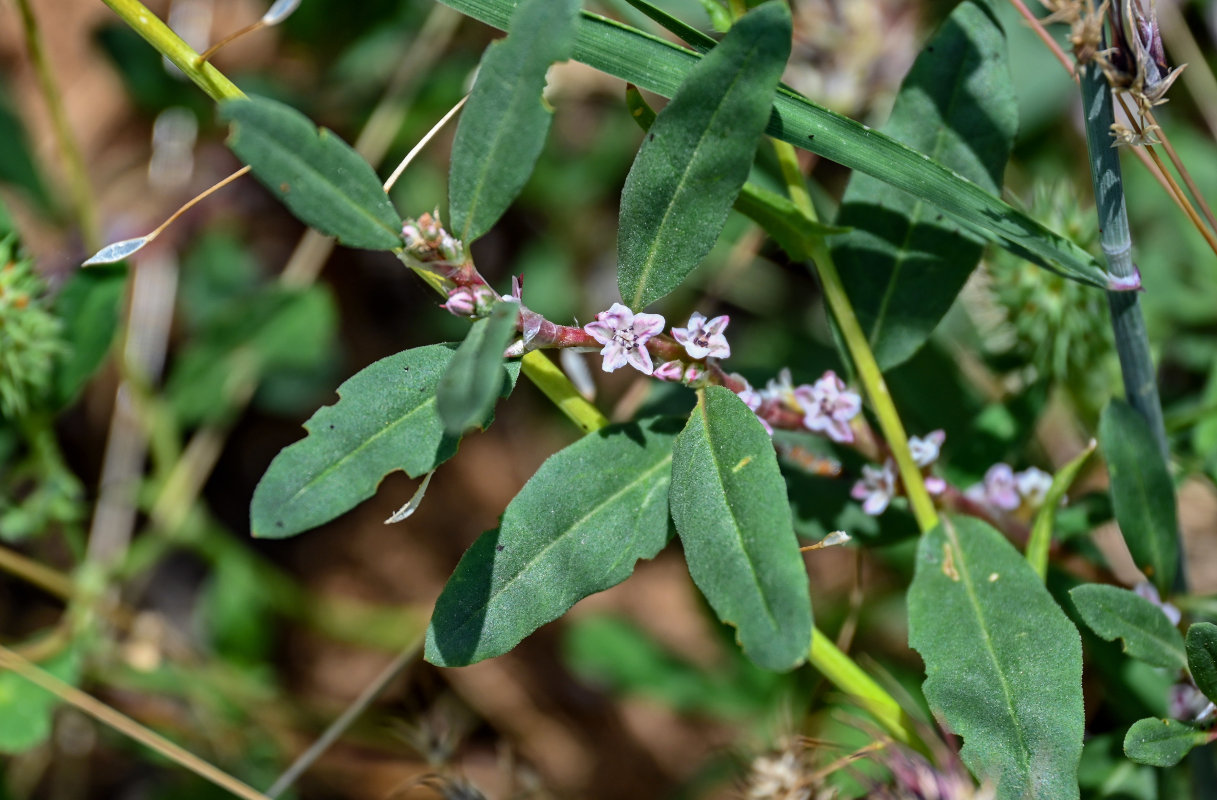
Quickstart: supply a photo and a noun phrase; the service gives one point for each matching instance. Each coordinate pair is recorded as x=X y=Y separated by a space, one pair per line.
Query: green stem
x=1127 y=322
x=73 y=161
x=859 y=349
x=844 y=673
x=170 y=45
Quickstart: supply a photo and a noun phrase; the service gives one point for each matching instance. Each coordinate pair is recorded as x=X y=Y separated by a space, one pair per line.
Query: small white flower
x=703 y=339
x=1033 y=484
x=624 y=335
x=877 y=487
x=925 y=449
x=828 y=407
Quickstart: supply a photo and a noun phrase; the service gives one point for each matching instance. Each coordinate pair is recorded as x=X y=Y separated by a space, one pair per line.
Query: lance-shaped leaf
x=1161 y=742
x=504 y=124
x=697 y=155
x=780 y=218
x=1202 y=657
x=1142 y=494
x=1145 y=632
x=472 y=382
x=321 y=180
x=659 y=66
x=385 y=420
x=729 y=505
x=577 y=527
x=1003 y=662
x=905 y=260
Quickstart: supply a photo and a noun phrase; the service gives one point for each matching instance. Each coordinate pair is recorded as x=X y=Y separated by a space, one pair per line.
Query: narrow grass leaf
x=384 y=421
x=1161 y=742
x=1202 y=657
x=1145 y=632
x=697 y=155
x=474 y=378
x=905 y=261
x=1003 y=662
x=504 y=124
x=659 y=66
x=577 y=527
x=1041 y=530
x=730 y=509
x=321 y=180
x=1142 y=494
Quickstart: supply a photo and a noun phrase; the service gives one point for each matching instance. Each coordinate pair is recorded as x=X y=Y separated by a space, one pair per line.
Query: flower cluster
x=826 y=405
x=880 y=484
x=1004 y=490
x=427 y=241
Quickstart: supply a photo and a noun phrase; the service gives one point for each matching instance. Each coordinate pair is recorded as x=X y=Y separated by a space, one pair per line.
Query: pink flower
x=460 y=301
x=877 y=487
x=624 y=335
x=828 y=407
x=925 y=450
x=753 y=399
x=669 y=371
x=999 y=489
x=1033 y=485
x=702 y=338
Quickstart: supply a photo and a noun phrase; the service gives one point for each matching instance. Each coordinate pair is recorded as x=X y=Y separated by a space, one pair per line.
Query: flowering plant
x=767 y=446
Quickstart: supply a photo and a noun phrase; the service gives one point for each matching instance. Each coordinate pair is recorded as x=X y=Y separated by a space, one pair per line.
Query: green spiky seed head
x=1059 y=326
x=30 y=335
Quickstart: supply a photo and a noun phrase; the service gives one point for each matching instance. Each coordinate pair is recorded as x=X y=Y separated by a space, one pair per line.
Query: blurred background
x=170 y=384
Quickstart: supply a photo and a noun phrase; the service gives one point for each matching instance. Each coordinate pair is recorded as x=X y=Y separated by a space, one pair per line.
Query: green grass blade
x=659 y=66
x=904 y=262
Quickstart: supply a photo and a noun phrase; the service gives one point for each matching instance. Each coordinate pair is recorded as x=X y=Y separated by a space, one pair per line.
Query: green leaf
x=1146 y=634
x=385 y=420
x=1003 y=662
x=780 y=218
x=26 y=710
x=1041 y=530
x=659 y=66
x=577 y=527
x=1202 y=657
x=504 y=124
x=466 y=394
x=89 y=305
x=1142 y=494
x=904 y=262
x=729 y=505
x=697 y=155
x=274 y=328
x=321 y=180
x=1161 y=742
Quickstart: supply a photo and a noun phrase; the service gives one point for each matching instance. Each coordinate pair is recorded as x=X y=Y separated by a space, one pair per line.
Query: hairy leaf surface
x=1145 y=632
x=472 y=382
x=576 y=528
x=385 y=420
x=1161 y=742
x=504 y=124
x=697 y=155
x=1003 y=662
x=730 y=509
x=325 y=183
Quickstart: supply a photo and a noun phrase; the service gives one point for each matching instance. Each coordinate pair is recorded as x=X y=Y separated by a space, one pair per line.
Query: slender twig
x=344 y=720
x=1198 y=77
x=69 y=149
x=49 y=580
x=171 y=46
x=1183 y=171
x=859 y=349
x=125 y=725
x=1045 y=37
